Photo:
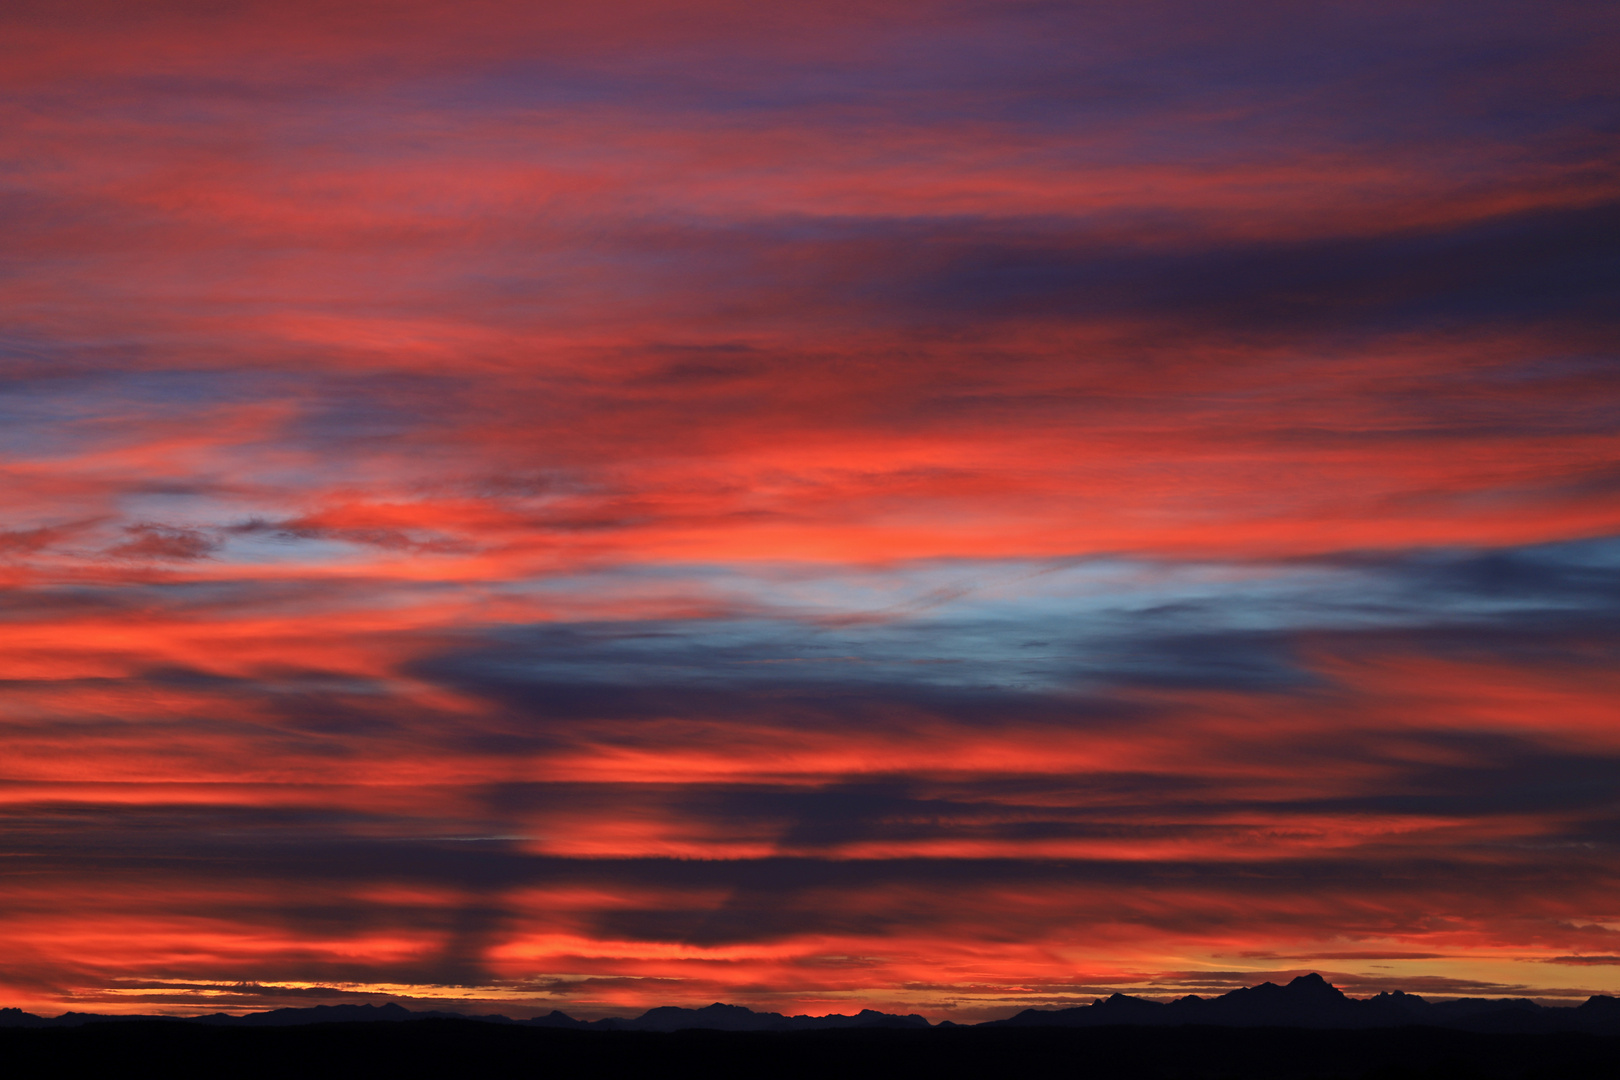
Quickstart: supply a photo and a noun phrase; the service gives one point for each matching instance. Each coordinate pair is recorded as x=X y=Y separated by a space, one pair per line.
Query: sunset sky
x=944 y=506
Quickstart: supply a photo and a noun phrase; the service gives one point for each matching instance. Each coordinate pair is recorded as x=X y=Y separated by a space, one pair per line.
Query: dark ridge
x=1309 y=1002
x=716 y=1017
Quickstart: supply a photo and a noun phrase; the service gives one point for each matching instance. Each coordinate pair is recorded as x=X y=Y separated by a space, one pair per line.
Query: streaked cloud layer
x=951 y=505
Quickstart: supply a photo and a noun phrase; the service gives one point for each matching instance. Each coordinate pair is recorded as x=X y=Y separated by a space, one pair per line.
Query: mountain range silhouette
x=1307 y=1002
x=1310 y=1001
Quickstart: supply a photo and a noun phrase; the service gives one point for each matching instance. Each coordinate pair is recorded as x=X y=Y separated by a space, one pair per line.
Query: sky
x=945 y=506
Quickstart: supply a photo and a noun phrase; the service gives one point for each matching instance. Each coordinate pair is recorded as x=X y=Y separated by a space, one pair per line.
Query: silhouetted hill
x=316 y=1014
x=1307 y=1002
x=331 y=1014
x=1311 y=1002
x=716 y=1017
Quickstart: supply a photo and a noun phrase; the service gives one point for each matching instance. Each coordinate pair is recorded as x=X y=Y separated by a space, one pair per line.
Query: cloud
x=1519 y=267
x=164 y=542
x=916 y=504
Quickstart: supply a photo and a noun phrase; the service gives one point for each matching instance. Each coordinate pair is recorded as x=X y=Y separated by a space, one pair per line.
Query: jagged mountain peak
x=1314 y=985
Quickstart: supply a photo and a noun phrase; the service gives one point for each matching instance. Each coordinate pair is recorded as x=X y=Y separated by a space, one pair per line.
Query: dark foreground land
x=461 y=1048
